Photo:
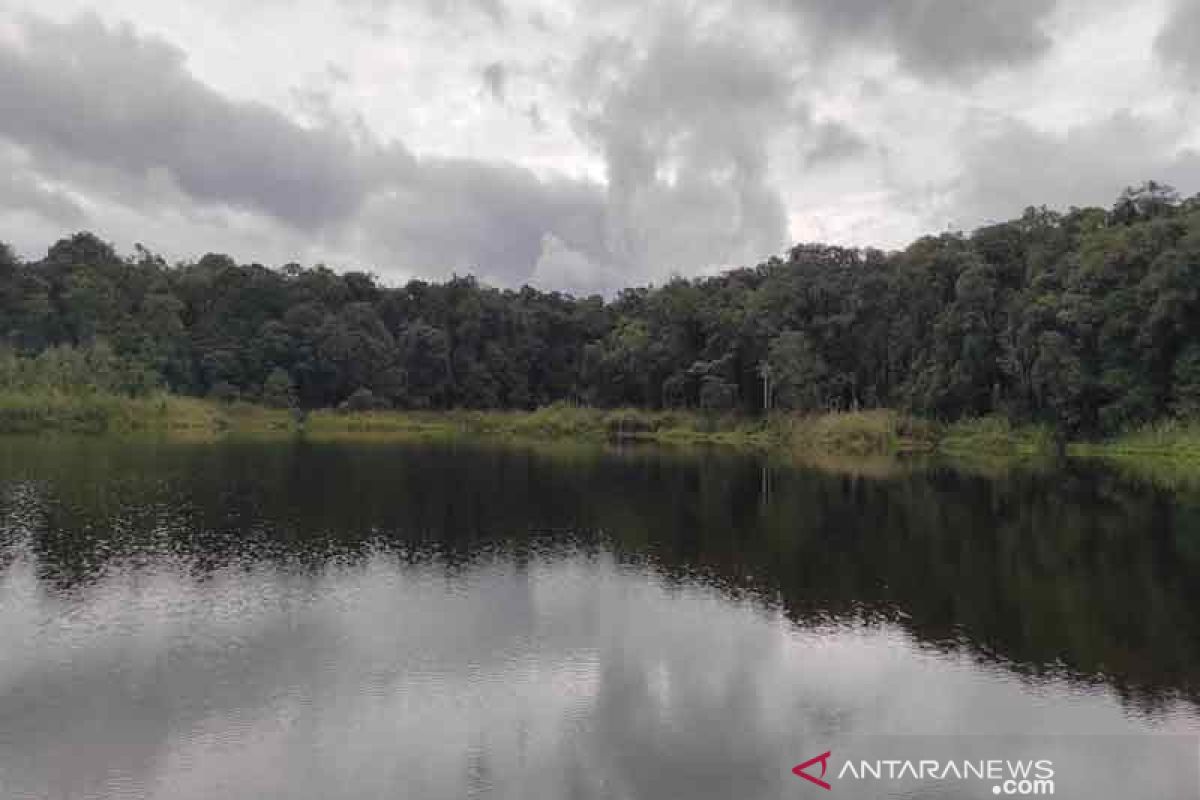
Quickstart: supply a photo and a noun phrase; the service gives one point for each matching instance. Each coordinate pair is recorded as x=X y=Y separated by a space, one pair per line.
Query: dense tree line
x=1089 y=320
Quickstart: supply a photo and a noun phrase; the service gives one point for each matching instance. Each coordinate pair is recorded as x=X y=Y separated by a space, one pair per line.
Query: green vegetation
x=997 y=436
x=108 y=413
x=1052 y=327
x=1179 y=439
x=877 y=432
x=91 y=390
x=556 y=422
x=1165 y=453
x=811 y=438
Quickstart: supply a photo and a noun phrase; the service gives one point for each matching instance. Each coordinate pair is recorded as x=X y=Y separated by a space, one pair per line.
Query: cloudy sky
x=577 y=144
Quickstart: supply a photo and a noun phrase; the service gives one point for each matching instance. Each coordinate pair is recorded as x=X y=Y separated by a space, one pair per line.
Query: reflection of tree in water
x=21 y=504
x=1076 y=572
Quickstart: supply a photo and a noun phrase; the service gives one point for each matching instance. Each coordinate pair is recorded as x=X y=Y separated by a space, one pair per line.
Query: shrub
x=364 y=399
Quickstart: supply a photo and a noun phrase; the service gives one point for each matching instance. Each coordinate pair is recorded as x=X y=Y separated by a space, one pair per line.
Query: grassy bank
x=558 y=421
x=1165 y=453
x=995 y=436
x=886 y=432
x=99 y=413
x=850 y=434
x=859 y=433
x=856 y=434
x=1175 y=439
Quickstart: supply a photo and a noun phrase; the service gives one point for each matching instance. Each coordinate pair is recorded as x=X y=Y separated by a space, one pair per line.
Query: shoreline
x=878 y=432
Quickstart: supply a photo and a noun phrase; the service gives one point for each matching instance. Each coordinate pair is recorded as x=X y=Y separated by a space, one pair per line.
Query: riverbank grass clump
x=863 y=433
x=556 y=422
x=93 y=413
x=995 y=436
x=1178 y=439
x=106 y=413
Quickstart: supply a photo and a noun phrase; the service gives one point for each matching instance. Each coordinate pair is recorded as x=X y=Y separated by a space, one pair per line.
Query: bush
x=76 y=371
x=717 y=395
x=279 y=390
x=860 y=433
x=224 y=392
x=364 y=400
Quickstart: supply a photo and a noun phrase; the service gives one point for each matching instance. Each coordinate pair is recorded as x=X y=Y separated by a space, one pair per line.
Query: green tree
x=798 y=372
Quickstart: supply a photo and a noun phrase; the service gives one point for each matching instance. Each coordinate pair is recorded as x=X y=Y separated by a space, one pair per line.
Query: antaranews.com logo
x=1015 y=778
x=985 y=766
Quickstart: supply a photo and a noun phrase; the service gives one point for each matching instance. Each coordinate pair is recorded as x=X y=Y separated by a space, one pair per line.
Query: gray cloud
x=1009 y=165
x=21 y=191
x=374 y=14
x=84 y=92
x=495 y=76
x=559 y=264
x=536 y=120
x=120 y=113
x=833 y=142
x=683 y=127
x=1176 y=44
x=465 y=216
x=493 y=9
x=940 y=39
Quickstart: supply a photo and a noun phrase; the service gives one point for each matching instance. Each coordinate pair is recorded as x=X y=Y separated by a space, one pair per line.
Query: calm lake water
x=270 y=620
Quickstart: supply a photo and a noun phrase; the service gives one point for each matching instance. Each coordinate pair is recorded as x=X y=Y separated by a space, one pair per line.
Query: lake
x=447 y=620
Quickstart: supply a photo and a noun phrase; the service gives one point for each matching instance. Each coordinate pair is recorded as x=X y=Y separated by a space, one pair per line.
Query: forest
x=1086 y=320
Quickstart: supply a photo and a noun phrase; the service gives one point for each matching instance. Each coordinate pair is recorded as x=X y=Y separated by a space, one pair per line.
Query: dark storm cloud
x=940 y=39
x=1177 y=43
x=683 y=130
x=82 y=92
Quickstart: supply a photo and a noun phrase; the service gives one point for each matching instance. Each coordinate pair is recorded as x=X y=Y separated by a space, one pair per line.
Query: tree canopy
x=1088 y=320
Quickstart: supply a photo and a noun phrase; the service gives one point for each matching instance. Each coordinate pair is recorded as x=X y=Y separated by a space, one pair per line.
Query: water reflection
x=257 y=620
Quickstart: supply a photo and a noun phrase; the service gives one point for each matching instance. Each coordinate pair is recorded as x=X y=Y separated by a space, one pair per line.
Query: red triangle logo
x=823 y=759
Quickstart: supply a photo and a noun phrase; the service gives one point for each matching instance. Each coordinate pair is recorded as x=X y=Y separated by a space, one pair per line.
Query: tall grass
x=996 y=436
x=1179 y=438
x=557 y=421
x=102 y=412
x=874 y=432
x=93 y=413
